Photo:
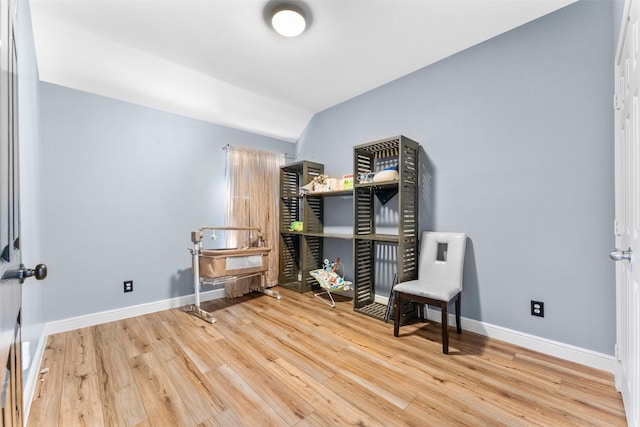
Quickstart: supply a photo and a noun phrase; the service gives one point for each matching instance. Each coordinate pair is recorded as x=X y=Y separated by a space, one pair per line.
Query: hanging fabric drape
x=252 y=201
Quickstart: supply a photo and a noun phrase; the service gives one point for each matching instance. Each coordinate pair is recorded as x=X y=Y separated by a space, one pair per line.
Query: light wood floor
x=298 y=362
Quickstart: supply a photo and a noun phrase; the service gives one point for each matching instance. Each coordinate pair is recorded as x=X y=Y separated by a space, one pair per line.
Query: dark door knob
x=40 y=272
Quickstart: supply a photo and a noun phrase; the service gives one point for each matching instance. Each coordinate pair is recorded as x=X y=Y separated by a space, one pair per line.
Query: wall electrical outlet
x=537 y=308
x=128 y=286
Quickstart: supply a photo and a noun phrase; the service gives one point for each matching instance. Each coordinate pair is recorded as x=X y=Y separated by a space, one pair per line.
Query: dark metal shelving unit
x=301 y=251
x=374 y=157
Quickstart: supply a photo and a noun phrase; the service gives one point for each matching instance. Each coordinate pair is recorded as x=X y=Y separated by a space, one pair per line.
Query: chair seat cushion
x=438 y=290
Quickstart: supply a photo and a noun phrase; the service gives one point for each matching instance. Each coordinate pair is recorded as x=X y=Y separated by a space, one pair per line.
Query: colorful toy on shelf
x=331 y=266
x=296 y=226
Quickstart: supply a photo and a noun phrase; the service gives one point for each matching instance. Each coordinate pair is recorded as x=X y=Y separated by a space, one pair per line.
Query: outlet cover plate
x=128 y=286
x=537 y=308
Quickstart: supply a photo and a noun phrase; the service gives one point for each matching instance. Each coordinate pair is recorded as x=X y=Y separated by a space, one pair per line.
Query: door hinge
x=616 y=352
x=617 y=105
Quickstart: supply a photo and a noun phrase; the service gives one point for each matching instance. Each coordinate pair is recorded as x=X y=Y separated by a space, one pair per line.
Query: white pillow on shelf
x=386 y=175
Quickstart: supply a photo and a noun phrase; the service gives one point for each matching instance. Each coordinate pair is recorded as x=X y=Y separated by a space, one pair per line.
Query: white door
x=12 y=272
x=627 y=213
x=10 y=292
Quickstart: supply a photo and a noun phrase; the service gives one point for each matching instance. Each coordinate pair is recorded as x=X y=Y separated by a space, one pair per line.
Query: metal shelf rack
x=374 y=157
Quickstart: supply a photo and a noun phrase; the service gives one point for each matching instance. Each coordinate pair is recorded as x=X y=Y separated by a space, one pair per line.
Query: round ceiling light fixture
x=288 y=20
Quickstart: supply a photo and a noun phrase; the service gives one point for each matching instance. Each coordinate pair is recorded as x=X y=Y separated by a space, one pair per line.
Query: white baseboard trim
x=93 y=319
x=34 y=372
x=381 y=300
x=558 y=349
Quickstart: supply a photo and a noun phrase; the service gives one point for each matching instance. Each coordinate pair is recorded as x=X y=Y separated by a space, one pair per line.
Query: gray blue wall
x=518 y=153
x=618 y=11
x=123 y=187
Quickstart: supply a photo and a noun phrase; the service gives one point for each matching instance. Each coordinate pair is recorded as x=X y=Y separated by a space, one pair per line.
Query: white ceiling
x=218 y=60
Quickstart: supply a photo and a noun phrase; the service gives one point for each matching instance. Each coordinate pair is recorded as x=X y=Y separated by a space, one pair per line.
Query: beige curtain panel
x=253 y=178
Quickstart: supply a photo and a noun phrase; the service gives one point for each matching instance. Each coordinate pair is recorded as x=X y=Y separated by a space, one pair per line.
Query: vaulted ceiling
x=219 y=61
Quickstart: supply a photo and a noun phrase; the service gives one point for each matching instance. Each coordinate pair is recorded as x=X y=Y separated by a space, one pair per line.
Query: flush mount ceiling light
x=288 y=20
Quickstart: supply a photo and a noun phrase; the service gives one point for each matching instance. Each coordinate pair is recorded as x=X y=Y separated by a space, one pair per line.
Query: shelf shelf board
x=330 y=193
x=332 y=235
x=393 y=238
x=324 y=235
x=382 y=184
x=296 y=233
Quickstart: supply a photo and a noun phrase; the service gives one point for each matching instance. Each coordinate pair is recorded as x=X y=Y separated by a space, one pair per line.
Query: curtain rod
x=286 y=155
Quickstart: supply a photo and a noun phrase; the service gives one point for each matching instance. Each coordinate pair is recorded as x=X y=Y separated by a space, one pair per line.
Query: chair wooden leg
x=445 y=328
x=458 y=327
x=396 y=314
x=420 y=312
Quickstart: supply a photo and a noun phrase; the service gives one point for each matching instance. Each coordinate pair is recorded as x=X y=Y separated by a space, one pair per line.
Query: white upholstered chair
x=439 y=283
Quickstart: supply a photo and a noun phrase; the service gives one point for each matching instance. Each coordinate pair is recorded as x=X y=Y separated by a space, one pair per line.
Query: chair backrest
x=442 y=257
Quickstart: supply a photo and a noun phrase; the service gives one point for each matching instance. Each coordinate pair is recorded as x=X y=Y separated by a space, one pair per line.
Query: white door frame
x=627 y=211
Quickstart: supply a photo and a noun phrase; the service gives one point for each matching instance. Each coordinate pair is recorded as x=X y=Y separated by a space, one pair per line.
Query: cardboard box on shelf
x=347 y=182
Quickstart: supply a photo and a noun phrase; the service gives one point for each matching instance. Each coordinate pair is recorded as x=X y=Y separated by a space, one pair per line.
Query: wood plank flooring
x=298 y=362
